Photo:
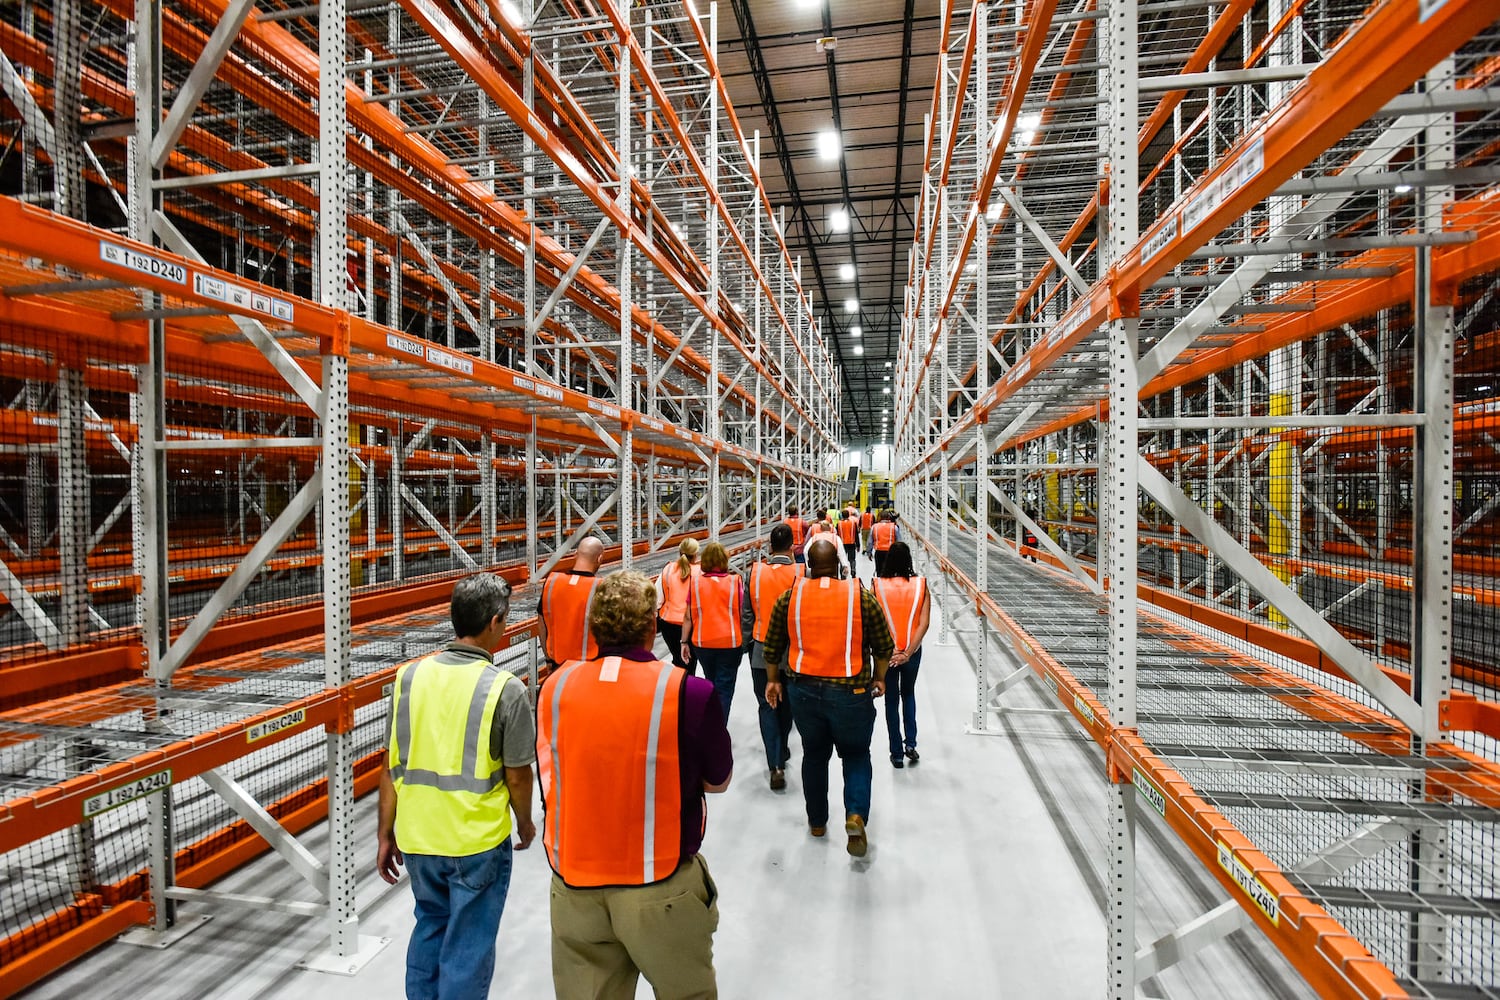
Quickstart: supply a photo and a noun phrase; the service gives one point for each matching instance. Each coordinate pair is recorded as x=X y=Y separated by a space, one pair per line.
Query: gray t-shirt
x=513 y=733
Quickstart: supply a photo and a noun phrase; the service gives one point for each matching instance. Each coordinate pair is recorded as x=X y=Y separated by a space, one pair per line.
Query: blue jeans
x=901 y=686
x=832 y=717
x=775 y=723
x=721 y=666
x=451 y=955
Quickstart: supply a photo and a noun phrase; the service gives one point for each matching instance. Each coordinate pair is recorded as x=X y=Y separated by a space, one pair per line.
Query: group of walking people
x=626 y=745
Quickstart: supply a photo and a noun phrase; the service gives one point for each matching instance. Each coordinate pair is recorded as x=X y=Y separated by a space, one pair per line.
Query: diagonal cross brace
x=1351 y=660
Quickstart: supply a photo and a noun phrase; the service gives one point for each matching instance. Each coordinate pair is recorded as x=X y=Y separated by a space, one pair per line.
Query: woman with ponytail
x=672 y=587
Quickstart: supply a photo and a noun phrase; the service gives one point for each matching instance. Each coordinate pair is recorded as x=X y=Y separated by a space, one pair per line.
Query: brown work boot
x=854 y=826
x=778 y=780
x=817 y=831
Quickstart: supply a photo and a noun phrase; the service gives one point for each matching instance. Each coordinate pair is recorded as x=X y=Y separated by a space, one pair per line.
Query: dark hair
x=781 y=537
x=476 y=601
x=898 y=561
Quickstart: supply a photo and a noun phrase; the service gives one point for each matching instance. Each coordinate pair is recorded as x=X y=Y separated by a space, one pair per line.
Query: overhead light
x=846 y=272
x=851 y=305
x=828 y=145
x=885 y=392
x=838 y=220
x=887 y=378
x=1026 y=127
x=859 y=348
x=887 y=364
x=1402 y=188
x=885 y=412
x=856 y=331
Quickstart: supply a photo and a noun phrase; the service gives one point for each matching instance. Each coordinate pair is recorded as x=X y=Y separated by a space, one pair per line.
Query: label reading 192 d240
x=119 y=795
x=113 y=253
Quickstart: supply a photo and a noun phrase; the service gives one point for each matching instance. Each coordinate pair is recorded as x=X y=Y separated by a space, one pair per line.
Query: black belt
x=851 y=682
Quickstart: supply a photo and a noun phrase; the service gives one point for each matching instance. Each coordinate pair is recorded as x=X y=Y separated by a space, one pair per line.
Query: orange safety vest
x=607 y=750
x=825 y=628
x=565 y=609
x=901 y=600
x=847 y=531
x=716 y=611
x=768 y=581
x=799 y=530
x=865 y=520
x=674 y=593
x=883 y=535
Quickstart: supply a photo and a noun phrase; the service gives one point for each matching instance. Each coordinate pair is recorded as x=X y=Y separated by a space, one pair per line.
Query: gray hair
x=476 y=600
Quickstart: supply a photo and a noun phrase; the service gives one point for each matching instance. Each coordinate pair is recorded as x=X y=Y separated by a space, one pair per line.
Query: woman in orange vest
x=865 y=520
x=717 y=623
x=904 y=598
x=848 y=534
x=883 y=534
x=794 y=521
x=768 y=581
x=672 y=588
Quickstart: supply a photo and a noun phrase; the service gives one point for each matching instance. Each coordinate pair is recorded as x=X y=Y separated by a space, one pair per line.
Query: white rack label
x=113 y=253
x=1160 y=239
x=405 y=345
x=1264 y=899
x=241 y=297
x=1244 y=169
x=271 y=727
x=129 y=792
x=454 y=362
x=1148 y=791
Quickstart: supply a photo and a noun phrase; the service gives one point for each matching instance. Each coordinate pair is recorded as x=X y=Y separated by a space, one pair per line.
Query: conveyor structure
x=1201 y=315
x=305 y=311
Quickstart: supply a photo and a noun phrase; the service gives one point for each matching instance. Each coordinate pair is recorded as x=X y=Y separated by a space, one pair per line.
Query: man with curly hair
x=627 y=746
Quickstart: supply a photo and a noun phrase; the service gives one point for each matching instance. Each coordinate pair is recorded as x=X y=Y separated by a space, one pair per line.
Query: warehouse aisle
x=967 y=891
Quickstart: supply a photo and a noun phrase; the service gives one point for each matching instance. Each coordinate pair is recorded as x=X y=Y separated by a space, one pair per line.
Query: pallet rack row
x=1202 y=299
x=332 y=303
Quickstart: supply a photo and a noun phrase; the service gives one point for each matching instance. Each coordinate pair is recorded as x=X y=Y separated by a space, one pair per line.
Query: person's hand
x=877 y=687
x=687 y=653
x=899 y=657
x=525 y=834
x=773 y=693
x=388 y=860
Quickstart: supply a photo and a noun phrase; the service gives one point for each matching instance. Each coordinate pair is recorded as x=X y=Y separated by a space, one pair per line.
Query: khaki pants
x=603 y=940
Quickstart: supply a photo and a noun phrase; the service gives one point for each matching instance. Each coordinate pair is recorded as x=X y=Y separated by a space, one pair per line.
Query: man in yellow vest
x=627 y=747
x=831 y=638
x=458 y=765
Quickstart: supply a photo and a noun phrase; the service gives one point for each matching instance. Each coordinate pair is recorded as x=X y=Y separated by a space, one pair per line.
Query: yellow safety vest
x=451 y=796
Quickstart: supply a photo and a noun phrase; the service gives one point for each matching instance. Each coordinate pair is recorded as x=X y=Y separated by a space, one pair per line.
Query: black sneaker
x=912 y=755
x=778 y=780
x=896 y=760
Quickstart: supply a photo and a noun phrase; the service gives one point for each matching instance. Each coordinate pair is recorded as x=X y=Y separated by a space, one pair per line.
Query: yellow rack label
x=1264 y=899
x=128 y=792
x=271 y=727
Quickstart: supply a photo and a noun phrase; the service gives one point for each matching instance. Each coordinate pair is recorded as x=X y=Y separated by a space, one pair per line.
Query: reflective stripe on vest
x=674 y=593
x=884 y=535
x=825 y=628
x=847 y=531
x=451 y=796
x=716 y=612
x=565 y=609
x=768 y=581
x=614 y=724
x=901 y=599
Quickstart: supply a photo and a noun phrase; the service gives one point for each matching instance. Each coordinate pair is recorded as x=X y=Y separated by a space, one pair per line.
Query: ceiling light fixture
x=838 y=220
x=846 y=272
x=856 y=331
x=851 y=305
x=829 y=145
x=859 y=348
